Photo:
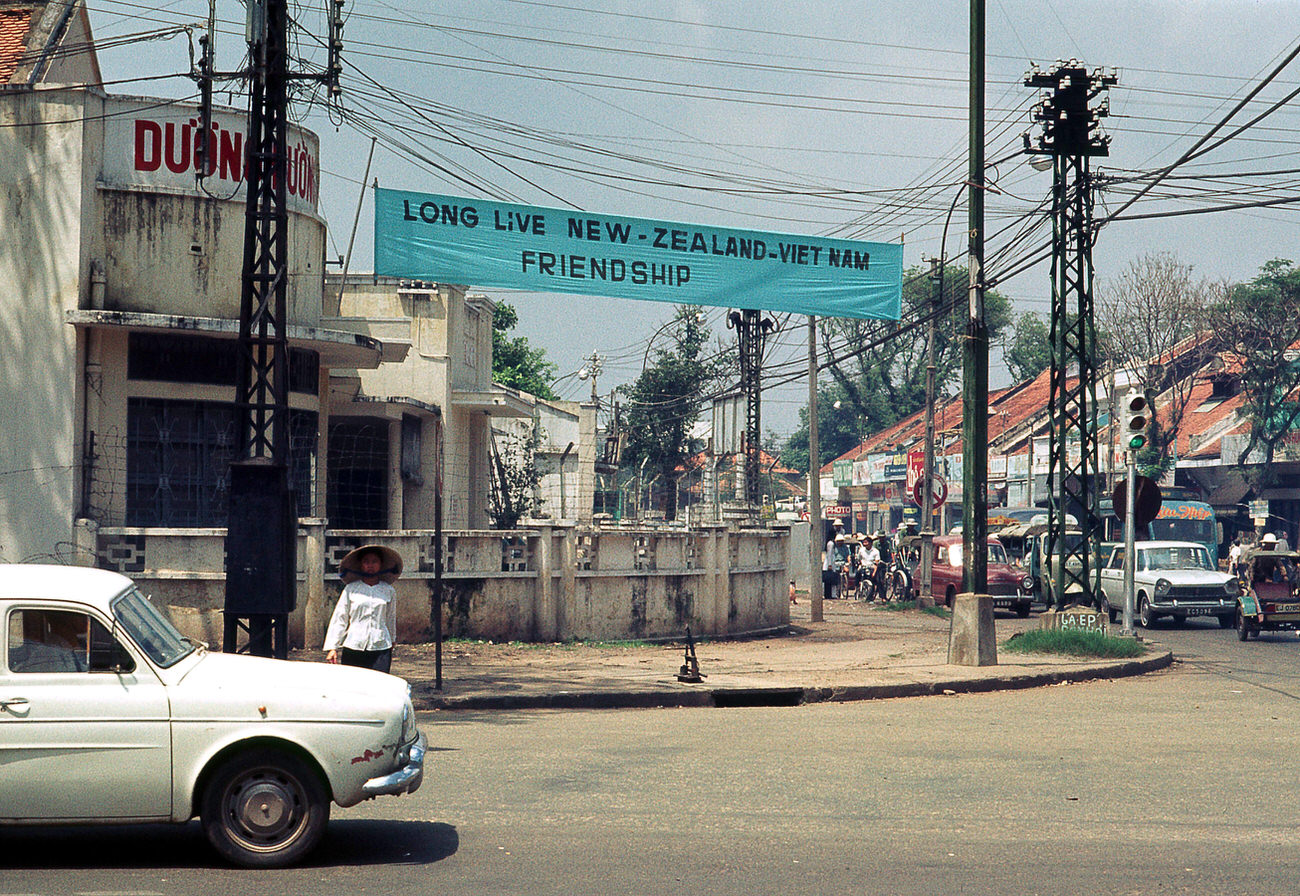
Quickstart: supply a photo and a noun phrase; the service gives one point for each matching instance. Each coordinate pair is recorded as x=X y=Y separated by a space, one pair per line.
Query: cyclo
x=1270 y=594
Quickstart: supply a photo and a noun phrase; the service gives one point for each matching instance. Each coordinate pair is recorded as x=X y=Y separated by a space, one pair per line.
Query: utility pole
x=1071 y=137
x=262 y=523
x=752 y=330
x=975 y=355
x=591 y=368
x=816 y=529
x=926 y=598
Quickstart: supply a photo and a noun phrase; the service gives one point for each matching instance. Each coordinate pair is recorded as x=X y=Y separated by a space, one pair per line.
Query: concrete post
x=315 y=614
x=568 y=596
x=722 y=591
x=544 y=594
x=972 y=640
x=396 y=502
x=85 y=535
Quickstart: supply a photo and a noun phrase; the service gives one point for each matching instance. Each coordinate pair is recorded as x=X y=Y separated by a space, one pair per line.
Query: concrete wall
x=42 y=157
x=542 y=584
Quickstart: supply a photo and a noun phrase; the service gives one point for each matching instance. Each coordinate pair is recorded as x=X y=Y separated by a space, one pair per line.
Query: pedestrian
x=1234 y=557
x=830 y=568
x=793 y=600
x=364 y=625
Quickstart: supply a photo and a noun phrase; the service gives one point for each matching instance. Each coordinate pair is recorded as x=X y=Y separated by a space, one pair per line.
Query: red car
x=1010 y=587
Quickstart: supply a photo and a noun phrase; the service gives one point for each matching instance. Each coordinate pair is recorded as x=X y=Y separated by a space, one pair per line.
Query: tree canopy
x=1256 y=325
x=877 y=368
x=515 y=363
x=1030 y=352
x=666 y=399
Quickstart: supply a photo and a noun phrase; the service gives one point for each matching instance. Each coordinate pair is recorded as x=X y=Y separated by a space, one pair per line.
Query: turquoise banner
x=475 y=242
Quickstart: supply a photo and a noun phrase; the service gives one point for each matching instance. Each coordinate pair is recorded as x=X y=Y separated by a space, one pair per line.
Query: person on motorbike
x=869 y=560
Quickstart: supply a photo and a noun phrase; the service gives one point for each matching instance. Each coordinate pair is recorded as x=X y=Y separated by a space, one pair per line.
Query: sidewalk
x=858 y=652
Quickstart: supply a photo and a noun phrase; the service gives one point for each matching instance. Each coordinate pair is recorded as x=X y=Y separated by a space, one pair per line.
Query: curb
x=427 y=699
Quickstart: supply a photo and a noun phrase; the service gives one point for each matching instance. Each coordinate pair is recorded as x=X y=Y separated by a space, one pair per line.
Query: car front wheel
x=1144 y=612
x=264 y=809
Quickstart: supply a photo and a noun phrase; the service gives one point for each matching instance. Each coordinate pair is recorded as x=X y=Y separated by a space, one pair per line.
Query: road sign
x=1146 y=500
x=939 y=491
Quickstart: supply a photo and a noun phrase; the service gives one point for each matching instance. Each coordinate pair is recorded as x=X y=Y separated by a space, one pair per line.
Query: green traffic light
x=1136 y=441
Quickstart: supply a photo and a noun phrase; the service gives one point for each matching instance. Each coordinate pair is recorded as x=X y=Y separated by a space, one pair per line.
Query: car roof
x=1167 y=544
x=957 y=539
x=34 y=580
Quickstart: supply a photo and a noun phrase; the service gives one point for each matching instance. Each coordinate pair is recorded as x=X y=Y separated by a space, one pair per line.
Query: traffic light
x=1136 y=426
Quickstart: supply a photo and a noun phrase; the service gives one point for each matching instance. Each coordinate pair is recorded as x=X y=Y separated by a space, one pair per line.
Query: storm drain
x=758 y=697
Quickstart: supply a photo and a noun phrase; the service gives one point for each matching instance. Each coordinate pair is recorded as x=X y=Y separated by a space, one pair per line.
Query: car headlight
x=1233 y=587
x=1027 y=583
x=1162 y=587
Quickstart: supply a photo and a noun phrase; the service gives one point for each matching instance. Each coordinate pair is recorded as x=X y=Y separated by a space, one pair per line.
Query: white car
x=1171 y=579
x=109 y=715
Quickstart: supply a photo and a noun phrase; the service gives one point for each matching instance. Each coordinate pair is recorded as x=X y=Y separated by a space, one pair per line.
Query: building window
x=176 y=358
x=178 y=461
x=357 y=474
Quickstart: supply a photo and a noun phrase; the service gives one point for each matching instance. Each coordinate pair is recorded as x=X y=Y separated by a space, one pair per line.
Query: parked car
x=1270 y=598
x=1010 y=587
x=1174 y=579
x=109 y=714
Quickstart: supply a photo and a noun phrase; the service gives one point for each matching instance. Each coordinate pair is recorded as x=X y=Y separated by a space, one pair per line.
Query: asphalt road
x=1177 y=782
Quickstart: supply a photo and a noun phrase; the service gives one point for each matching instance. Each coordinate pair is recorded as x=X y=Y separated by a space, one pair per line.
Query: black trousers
x=379 y=660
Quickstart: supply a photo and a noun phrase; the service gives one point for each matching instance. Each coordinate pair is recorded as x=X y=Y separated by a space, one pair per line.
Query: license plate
x=1199 y=611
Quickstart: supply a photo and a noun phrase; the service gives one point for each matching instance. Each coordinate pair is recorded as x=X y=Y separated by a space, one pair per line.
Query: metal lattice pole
x=1074 y=536
x=262 y=524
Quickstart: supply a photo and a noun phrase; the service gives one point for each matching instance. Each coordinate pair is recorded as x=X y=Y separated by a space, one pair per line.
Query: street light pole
x=975 y=366
x=926 y=595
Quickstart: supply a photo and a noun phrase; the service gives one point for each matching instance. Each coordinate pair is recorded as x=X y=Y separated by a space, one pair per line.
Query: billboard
x=476 y=242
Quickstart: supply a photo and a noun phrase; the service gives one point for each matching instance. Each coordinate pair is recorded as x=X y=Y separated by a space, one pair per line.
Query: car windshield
x=150 y=629
x=1175 y=558
x=997 y=553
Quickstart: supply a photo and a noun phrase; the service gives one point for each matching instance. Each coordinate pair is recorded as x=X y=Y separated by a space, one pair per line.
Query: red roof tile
x=14 y=27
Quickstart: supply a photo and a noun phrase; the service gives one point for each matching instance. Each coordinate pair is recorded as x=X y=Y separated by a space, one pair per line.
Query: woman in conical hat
x=362 y=630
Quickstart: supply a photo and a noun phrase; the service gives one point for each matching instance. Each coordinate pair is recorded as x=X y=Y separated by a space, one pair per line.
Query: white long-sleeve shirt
x=365 y=618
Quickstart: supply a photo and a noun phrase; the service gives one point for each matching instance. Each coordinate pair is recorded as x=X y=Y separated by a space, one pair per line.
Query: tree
x=1151 y=324
x=837 y=430
x=878 y=368
x=1030 y=352
x=514 y=362
x=514 y=479
x=1256 y=327
x=666 y=399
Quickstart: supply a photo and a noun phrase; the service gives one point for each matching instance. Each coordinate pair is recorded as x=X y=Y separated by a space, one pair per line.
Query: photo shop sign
x=155 y=147
x=480 y=243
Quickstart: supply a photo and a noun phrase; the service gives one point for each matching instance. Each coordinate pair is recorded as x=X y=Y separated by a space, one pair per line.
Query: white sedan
x=109 y=715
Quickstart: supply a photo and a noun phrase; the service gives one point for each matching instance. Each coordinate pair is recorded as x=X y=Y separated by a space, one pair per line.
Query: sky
x=831 y=119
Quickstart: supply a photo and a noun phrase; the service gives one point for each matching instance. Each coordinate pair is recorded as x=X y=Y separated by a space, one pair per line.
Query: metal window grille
x=178 y=459
x=356 y=495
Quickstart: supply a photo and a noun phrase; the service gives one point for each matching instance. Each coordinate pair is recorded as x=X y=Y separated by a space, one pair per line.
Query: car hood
x=1185 y=576
x=236 y=680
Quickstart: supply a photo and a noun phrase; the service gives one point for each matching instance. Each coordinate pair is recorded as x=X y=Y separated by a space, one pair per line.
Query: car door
x=1112 y=578
x=85 y=730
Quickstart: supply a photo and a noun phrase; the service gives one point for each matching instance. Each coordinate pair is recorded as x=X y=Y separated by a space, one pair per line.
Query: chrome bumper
x=406 y=779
